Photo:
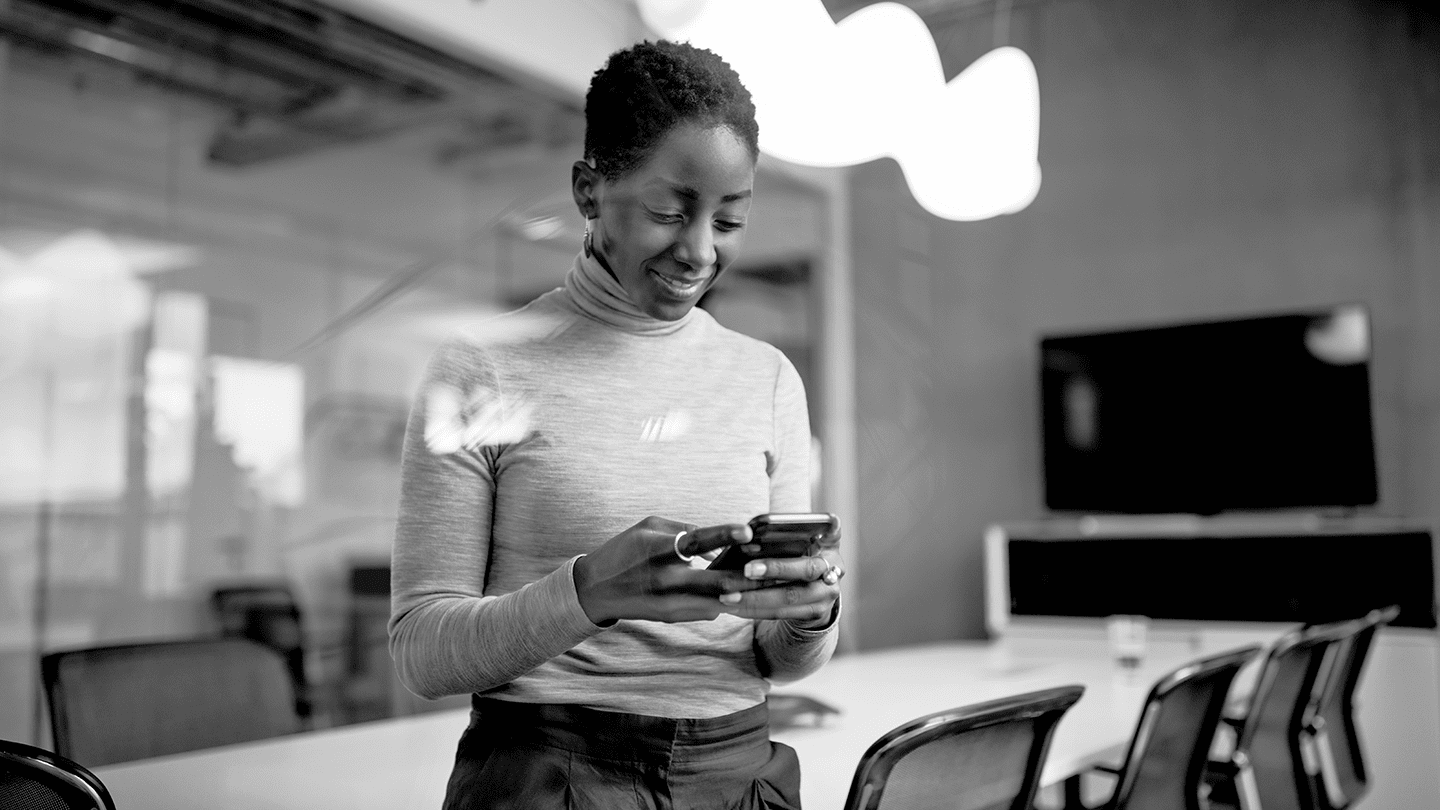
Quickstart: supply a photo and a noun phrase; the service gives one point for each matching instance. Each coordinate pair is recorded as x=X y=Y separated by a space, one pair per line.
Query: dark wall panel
x=1201 y=160
x=1290 y=578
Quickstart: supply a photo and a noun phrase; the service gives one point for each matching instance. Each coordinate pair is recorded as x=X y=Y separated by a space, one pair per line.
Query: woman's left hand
x=801 y=589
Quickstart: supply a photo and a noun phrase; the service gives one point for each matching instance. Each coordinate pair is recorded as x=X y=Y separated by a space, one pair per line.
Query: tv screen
x=1256 y=413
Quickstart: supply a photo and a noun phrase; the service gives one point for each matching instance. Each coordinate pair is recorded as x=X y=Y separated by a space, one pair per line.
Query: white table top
x=405 y=762
x=400 y=763
x=879 y=691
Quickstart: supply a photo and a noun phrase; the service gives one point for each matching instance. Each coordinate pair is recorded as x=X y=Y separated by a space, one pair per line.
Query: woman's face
x=669 y=226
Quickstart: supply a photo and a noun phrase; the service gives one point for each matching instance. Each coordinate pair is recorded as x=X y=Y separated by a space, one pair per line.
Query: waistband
x=620 y=735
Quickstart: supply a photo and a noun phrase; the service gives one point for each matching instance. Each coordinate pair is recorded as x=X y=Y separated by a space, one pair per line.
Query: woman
x=557 y=489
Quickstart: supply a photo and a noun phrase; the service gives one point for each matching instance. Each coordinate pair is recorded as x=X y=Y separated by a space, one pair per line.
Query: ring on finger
x=832 y=575
x=678 y=553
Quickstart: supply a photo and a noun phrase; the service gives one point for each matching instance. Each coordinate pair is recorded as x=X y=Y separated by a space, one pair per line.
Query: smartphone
x=791 y=534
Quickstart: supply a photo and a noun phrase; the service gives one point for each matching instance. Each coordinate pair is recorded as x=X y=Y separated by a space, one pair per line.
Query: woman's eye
x=730 y=224
x=662 y=216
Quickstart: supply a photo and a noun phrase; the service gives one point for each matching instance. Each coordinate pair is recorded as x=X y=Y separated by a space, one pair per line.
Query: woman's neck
x=598 y=293
x=604 y=265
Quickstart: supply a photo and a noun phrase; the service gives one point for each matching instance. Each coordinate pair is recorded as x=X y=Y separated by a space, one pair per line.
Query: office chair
x=132 y=701
x=1165 y=763
x=35 y=779
x=370 y=689
x=1335 y=757
x=1266 y=769
x=268 y=614
x=986 y=756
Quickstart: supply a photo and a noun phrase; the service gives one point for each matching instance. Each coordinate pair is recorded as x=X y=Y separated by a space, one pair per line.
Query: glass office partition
x=210 y=330
x=224 y=263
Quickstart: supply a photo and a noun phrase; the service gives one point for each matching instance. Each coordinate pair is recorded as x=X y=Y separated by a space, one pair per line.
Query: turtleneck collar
x=600 y=296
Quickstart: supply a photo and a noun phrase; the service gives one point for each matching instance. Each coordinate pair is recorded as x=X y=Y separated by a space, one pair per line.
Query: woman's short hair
x=646 y=90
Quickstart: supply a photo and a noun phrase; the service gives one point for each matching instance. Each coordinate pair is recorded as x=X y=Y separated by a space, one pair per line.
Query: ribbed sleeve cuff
x=568 y=617
x=807 y=633
x=791 y=652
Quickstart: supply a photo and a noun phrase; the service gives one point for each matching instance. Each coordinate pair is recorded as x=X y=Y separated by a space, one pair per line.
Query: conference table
x=404 y=762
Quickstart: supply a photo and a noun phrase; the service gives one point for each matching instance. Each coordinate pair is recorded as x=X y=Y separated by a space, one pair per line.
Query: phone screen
x=782 y=535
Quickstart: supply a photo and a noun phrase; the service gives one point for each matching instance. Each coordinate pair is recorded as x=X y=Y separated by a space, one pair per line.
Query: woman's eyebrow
x=689 y=193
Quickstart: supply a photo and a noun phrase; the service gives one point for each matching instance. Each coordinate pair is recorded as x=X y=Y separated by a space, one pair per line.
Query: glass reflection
x=214 y=317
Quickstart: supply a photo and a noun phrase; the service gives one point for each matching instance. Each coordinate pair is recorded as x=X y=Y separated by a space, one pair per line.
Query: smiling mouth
x=679 y=288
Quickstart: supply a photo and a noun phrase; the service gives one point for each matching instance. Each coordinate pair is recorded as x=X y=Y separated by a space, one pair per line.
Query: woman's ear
x=585 y=183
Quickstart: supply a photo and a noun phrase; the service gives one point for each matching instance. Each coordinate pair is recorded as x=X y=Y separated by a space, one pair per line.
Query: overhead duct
x=294 y=75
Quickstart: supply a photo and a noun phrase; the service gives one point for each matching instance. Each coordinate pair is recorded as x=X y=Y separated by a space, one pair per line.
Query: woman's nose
x=696 y=245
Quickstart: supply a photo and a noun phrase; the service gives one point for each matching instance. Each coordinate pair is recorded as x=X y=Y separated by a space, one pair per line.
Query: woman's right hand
x=637 y=575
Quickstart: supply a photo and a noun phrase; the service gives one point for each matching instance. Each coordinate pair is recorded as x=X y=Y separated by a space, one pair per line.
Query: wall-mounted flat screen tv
x=1253 y=413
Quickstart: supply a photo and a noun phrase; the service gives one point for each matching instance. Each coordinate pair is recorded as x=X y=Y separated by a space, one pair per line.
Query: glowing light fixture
x=871 y=86
x=64 y=295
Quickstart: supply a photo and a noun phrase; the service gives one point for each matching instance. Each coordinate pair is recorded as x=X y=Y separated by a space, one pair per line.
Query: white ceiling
x=93 y=147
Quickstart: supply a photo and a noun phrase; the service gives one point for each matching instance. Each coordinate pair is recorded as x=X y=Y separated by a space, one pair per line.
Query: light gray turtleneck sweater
x=547 y=432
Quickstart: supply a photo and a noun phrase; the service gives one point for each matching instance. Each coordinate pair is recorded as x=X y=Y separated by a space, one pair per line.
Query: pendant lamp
x=872 y=86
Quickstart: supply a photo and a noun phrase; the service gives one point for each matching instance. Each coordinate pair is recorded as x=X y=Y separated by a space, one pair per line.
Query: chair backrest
x=268 y=614
x=35 y=779
x=1330 y=727
x=1267 y=750
x=1166 y=759
x=986 y=756
x=124 y=702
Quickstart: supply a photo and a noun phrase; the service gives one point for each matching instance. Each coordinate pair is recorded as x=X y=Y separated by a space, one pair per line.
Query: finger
x=780 y=597
x=663 y=526
x=698 y=608
x=689 y=608
x=804 y=569
x=678 y=579
x=806 y=611
x=710 y=538
x=664 y=536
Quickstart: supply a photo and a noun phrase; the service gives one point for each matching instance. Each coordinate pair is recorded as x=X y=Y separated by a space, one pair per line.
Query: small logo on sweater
x=666 y=428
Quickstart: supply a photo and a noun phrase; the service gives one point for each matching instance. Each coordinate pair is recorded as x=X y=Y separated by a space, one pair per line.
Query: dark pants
x=560 y=756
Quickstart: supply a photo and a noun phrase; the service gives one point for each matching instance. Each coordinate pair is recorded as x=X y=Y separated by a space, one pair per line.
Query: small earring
x=585 y=243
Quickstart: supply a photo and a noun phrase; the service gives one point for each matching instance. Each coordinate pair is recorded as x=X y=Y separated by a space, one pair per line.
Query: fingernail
x=730 y=598
x=755 y=570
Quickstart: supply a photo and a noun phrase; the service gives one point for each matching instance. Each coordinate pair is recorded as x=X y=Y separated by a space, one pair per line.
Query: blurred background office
x=231 y=234
x=230 y=237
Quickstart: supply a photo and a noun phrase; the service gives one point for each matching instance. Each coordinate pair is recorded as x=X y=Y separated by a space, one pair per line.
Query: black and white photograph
x=719 y=404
